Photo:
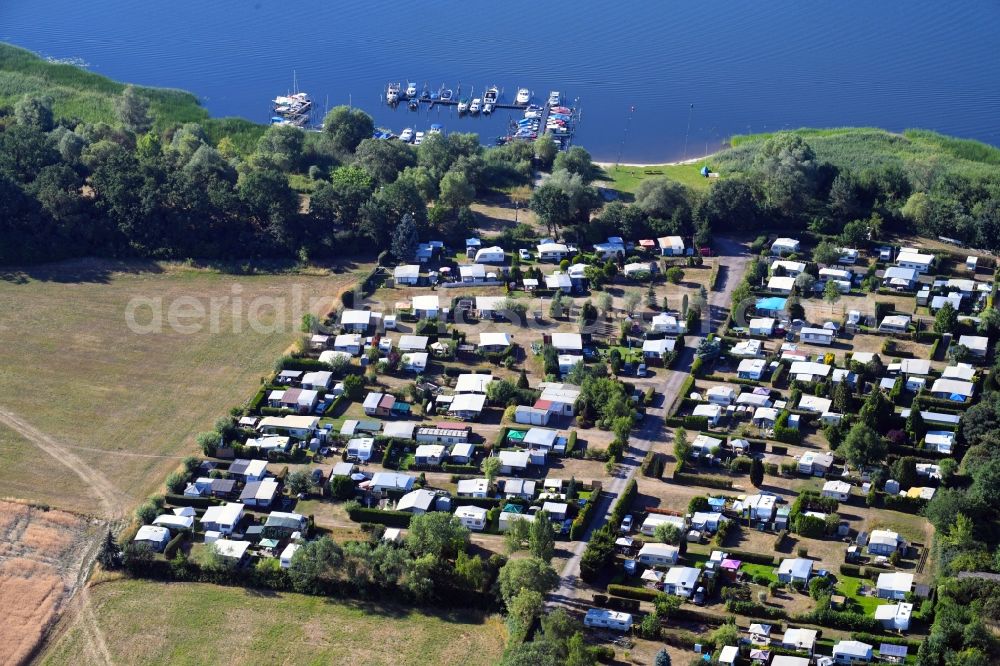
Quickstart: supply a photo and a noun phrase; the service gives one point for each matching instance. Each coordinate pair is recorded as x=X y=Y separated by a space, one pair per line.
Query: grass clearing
x=189 y=623
x=625 y=178
x=850 y=587
x=128 y=404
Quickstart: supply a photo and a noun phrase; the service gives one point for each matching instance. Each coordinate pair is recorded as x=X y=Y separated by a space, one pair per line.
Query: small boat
x=561 y=109
x=446 y=95
x=406 y=135
x=555 y=98
x=418 y=138
x=463 y=105
x=392 y=93
x=425 y=93
x=411 y=90
x=436 y=128
x=413 y=104
x=532 y=114
x=490 y=98
x=476 y=105
x=523 y=96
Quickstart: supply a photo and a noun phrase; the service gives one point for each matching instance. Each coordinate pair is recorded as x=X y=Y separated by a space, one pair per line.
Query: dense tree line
x=70 y=188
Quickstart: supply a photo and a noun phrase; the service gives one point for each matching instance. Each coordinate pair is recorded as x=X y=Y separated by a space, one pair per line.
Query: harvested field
x=110 y=409
x=42 y=554
x=185 y=623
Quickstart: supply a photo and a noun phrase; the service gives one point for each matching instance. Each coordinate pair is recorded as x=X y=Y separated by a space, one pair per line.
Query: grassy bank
x=142 y=622
x=627 y=178
x=860 y=148
x=83 y=95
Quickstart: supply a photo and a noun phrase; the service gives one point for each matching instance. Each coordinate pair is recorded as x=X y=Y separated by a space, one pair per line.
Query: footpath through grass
x=148 y=622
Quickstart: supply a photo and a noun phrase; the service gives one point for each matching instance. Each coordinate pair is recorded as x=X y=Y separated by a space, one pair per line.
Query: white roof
x=785 y=242
x=472 y=270
x=711 y=410
x=789 y=660
x=896 y=321
x=664 y=346
x=659 y=550
x=564 y=393
x=227 y=514
x=856 y=648
x=356 y=317
x=494 y=339
x=555 y=508
x=413 y=342
x=790 y=266
x=361 y=444
x=331 y=355
x=800 y=637
x=673 y=242
x=729 y=654
x=810 y=368
x=471 y=512
x=641 y=267
x=751 y=365
x=233 y=549
x=954 y=386
x=489 y=253
x=426 y=302
x=513 y=458
x=755 y=399
x=821 y=332
x=653 y=520
x=682 y=575
x=766 y=414
x=839 y=487
x=399 y=429
x=915 y=366
x=900 y=273
x=705 y=442
x=780 y=283
x=415 y=359
x=812 y=403
x=567 y=341
x=429 y=451
x=722 y=391
x=914 y=258
x=490 y=303
x=392 y=480
x=896 y=581
x=473 y=383
x=347 y=340
x=406 y=271
x=558 y=281
x=974 y=342
x=884 y=537
x=758 y=323
x=155 y=533
x=540 y=437
x=798 y=567
x=473 y=486
x=289 y=552
x=552 y=247
x=468 y=402
x=962 y=371
x=416 y=499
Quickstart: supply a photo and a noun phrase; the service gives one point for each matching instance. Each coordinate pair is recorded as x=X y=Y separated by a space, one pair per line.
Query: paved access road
x=733 y=259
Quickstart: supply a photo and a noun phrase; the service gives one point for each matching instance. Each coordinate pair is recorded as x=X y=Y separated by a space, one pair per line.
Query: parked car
x=626 y=525
x=641 y=370
x=524 y=254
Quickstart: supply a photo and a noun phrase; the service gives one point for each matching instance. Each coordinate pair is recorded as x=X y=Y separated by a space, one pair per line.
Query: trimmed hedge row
x=198 y=502
x=707 y=481
x=583 y=518
x=841 y=620
x=752 y=558
x=460 y=469
x=754 y=609
x=629 y=592
x=389 y=518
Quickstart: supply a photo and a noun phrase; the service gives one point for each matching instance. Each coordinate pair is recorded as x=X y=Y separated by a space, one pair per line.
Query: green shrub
x=703 y=480
x=361 y=514
x=629 y=592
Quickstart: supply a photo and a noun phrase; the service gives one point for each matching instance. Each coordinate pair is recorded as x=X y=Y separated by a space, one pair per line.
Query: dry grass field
x=144 y=622
x=41 y=557
x=94 y=415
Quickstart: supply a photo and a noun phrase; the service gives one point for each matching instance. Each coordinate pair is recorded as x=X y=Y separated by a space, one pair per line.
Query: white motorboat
x=476 y=105
x=555 y=98
x=418 y=138
x=411 y=90
x=392 y=93
x=406 y=135
x=523 y=96
x=463 y=105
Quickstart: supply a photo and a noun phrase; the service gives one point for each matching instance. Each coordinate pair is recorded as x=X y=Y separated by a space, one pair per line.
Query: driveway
x=733 y=261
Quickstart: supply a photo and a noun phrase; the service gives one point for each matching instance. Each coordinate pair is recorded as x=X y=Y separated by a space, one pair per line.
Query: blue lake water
x=744 y=66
